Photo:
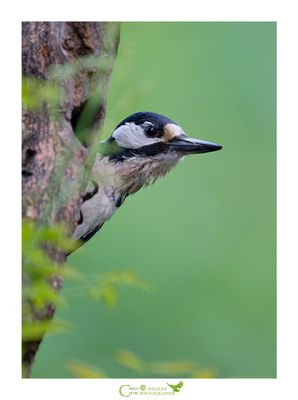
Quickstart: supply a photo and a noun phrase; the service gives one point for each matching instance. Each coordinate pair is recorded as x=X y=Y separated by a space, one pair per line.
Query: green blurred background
x=204 y=236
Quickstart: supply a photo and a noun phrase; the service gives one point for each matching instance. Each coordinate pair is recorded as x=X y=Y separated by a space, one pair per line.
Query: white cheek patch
x=131 y=136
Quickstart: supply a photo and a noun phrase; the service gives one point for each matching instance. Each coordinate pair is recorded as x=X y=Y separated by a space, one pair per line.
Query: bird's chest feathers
x=102 y=206
x=115 y=182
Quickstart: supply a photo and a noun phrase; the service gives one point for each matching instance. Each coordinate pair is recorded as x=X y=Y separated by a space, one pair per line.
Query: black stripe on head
x=145 y=151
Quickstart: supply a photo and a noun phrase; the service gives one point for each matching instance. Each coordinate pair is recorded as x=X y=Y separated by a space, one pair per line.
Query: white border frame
x=282 y=12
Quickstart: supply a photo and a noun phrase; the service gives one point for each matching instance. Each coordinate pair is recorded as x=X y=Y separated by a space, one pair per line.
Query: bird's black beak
x=187 y=145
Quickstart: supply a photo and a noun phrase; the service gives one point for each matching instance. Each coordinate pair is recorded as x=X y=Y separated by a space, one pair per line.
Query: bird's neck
x=132 y=174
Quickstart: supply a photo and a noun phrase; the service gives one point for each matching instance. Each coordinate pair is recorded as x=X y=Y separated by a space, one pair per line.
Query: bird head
x=148 y=144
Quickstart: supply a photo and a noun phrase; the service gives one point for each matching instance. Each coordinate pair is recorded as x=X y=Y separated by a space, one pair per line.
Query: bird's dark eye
x=151 y=131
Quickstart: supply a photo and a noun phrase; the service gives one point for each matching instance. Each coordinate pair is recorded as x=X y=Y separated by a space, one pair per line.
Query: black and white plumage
x=142 y=148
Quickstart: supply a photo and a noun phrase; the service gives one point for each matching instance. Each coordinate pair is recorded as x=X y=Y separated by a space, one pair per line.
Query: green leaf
x=36 y=93
x=204 y=373
x=130 y=360
x=35 y=330
x=41 y=294
x=82 y=370
x=172 y=368
x=108 y=284
x=108 y=294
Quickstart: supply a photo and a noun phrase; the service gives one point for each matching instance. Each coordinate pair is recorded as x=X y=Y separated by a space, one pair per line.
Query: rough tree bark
x=55 y=163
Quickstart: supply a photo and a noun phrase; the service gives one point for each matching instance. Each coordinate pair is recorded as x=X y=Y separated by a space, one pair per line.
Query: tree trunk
x=77 y=58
